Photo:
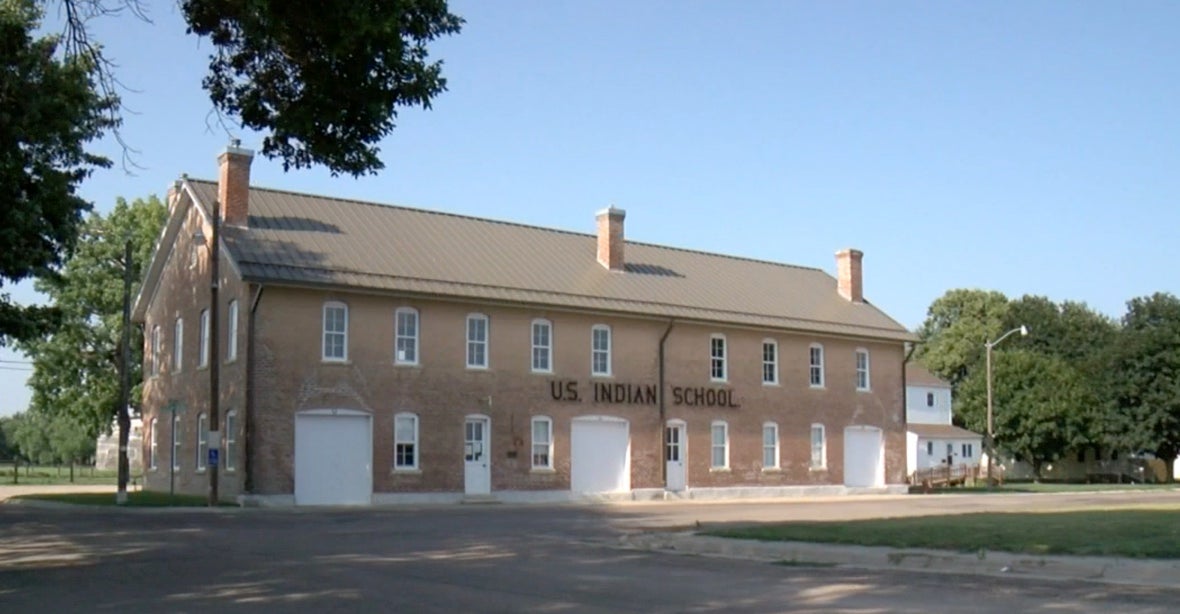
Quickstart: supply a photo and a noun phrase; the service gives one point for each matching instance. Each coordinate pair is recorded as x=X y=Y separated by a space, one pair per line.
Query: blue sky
x=1022 y=147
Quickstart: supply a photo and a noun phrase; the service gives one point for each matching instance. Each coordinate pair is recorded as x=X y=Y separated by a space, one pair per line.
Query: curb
x=1113 y=570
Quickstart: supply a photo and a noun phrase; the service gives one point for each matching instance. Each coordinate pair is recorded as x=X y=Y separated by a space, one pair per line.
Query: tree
x=1043 y=406
x=50 y=110
x=76 y=368
x=30 y=434
x=956 y=327
x=70 y=441
x=1145 y=377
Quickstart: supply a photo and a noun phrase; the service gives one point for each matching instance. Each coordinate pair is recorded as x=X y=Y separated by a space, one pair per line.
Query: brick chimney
x=610 y=238
x=849 y=282
x=233 y=184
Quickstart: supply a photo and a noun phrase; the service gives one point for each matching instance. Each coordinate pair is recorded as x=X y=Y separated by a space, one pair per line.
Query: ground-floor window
x=770 y=446
x=819 y=452
x=542 y=443
x=968 y=450
x=405 y=441
x=720 y=445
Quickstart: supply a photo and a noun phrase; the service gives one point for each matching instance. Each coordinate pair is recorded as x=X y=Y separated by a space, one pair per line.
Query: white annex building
x=931 y=439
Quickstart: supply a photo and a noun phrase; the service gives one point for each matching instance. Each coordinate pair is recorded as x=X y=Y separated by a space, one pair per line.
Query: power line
x=17 y=362
x=27 y=369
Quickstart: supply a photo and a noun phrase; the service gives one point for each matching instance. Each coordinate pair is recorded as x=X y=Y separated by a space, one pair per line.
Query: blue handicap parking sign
x=213 y=458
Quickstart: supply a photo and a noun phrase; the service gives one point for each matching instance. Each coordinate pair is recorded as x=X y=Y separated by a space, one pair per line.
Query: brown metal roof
x=941 y=431
x=301 y=239
x=917 y=375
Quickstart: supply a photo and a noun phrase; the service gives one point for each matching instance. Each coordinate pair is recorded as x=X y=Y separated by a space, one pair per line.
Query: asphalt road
x=493 y=559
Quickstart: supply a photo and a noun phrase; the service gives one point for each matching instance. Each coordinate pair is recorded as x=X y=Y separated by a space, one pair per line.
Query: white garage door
x=864 y=456
x=600 y=455
x=333 y=458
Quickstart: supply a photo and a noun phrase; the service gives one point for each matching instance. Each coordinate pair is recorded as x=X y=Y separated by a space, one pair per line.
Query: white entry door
x=674 y=453
x=864 y=456
x=477 y=468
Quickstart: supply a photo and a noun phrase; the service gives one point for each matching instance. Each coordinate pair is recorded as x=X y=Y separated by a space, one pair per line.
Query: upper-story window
x=816 y=365
x=155 y=360
x=717 y=367
x=405 y=351
x=335 y=331
x=231 y=345
x=542 y=346
x=929 y=399
x=203 y=356
x=178 y=346
x=477 y=341
x=769 y=361
x=600 y=354
x=862 y=369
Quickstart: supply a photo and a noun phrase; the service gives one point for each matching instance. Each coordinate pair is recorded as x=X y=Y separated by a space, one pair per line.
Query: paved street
x=492 y=558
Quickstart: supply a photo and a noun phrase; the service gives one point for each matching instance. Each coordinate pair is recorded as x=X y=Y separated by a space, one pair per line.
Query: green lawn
x=146 y=498
x=1138 y=533
x=40 y=475
x=1055 y=487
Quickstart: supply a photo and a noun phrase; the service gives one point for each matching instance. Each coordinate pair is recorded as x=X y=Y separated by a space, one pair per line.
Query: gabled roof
x=917 y=375
x=941 y=431
x=306 y=240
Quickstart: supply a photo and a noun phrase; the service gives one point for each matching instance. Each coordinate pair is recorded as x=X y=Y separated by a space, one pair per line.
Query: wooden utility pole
x=125 y=379
x=215 y=355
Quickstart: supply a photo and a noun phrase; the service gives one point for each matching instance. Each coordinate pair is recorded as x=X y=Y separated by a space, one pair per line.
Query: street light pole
x=991 y=433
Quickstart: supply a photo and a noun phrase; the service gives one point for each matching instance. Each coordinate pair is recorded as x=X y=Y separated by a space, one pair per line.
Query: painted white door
x=333 y=458
x=864 y=456
x=674 y=454
x=477 y=467
x=600 y=455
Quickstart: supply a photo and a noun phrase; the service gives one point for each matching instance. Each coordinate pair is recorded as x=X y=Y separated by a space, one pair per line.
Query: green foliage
x=30 y=437
x=49 y=110
x=324 y=78
x=956 y=327
x=7 y=448
x=76 y=369
x=1144 y=379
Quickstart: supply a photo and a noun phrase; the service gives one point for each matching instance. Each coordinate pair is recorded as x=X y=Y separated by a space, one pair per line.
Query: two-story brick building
x=375 y=354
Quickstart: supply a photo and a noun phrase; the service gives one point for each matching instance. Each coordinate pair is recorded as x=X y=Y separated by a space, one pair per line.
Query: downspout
x=904 y=394
x=248 y=426
x=663 y=409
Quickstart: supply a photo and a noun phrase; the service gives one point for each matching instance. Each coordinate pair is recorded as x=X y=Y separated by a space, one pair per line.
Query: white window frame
x=202 y=440
x=773 y=447
x=714 y=446
x=405 y=340
x=155 y=366
x=325 y=332
x=400 y=439
x=177 y=441
x=546 y=445
x=968 y=450
x=770 y=365
x=203 y=355
x=231 y=333
x=815 y=368
x=178 y=346
x=229 y=458
x=864 y=383
x=545 y=349
x=596 y=351
x=474 y=343
x=718 y=363
x=819 y=457
x=154 y=446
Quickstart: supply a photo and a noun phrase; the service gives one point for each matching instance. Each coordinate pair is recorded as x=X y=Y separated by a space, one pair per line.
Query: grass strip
x=1138 y=533
x=145 y=498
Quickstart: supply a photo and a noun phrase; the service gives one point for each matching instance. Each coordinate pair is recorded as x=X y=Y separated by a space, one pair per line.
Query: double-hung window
x=178 y=346
x=720 y=445
x=202 y=440
x=405 y=351
x=176 y=441
x=155 y=362
x=203 y=355
x=405 y=442
x=819 y=447
x=717 y=366
x=335 y=332
x=231 y=440
x=770 y=446
x=154 y=447
x=231 y=332
x=542 y=443
x=477 y=341
x=542 y=346
x=816 y=365
x=862 y=369
x=600 y=354
x=769 y=361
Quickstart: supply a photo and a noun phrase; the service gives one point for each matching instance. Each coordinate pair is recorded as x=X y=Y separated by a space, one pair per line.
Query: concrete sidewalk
x=1144 y=572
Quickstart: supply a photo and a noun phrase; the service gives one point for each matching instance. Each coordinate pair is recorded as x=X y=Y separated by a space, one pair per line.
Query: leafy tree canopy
x=956 y=327
x=50 y=109
x=76 y=368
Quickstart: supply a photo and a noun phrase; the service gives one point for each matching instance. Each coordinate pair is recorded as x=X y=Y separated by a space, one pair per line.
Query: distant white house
x=107 y=455
x=931 y=439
